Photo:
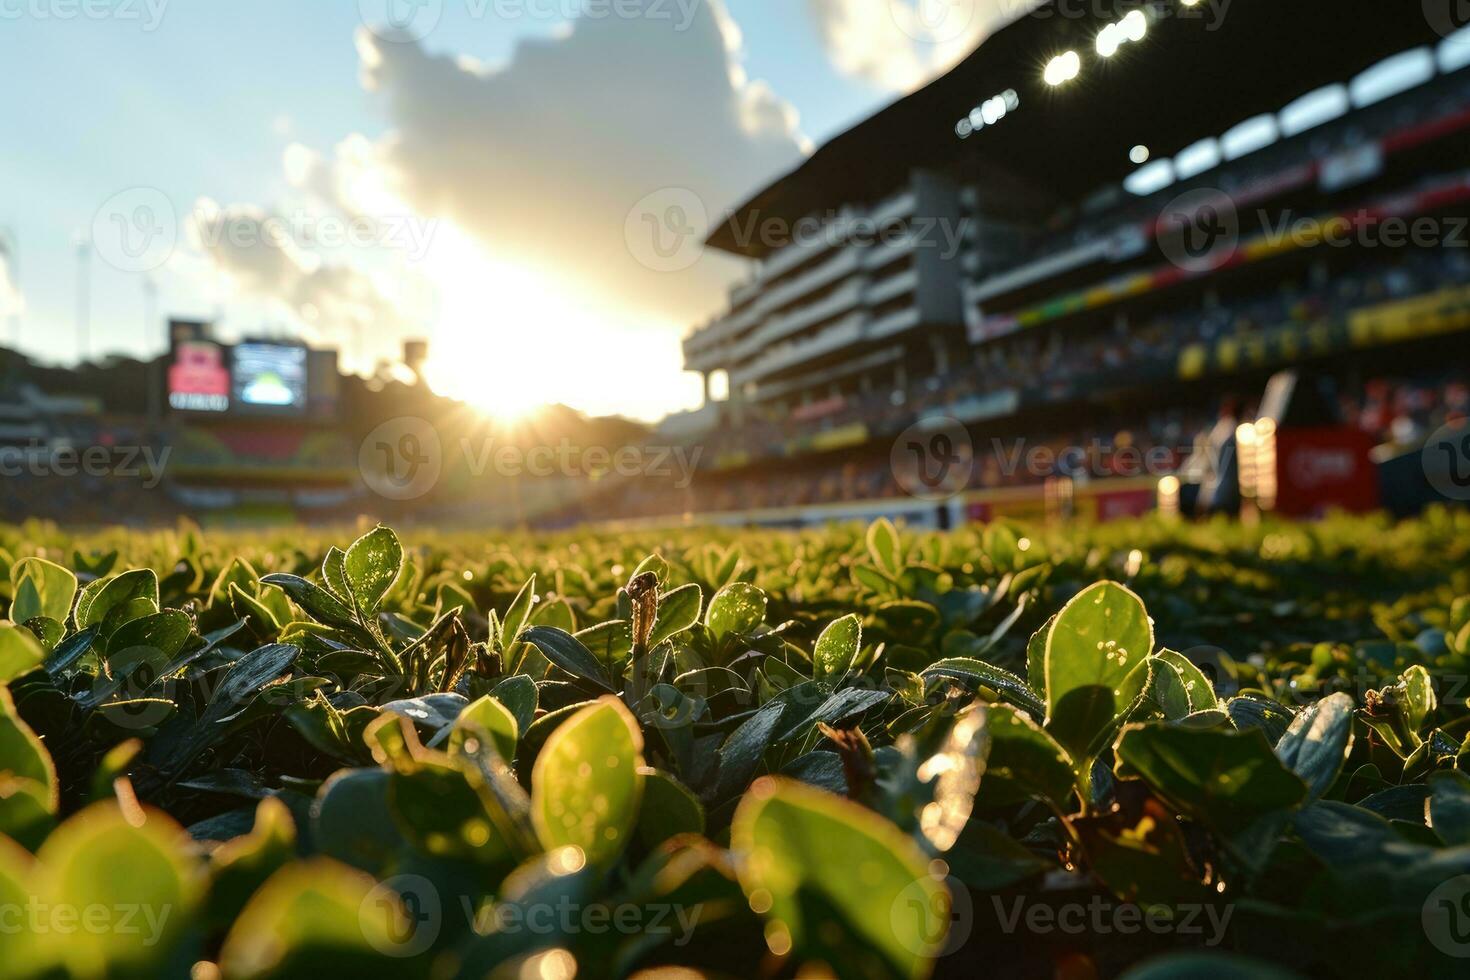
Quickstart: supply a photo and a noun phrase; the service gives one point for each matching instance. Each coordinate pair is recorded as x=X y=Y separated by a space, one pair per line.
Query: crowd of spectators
x=1062 y=363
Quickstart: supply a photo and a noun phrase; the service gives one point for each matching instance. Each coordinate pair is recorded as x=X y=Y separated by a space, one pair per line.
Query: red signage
x=1321 y=469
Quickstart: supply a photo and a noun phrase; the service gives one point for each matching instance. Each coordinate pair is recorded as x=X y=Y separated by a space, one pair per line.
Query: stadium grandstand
x=1107 y=228
x=268 y=429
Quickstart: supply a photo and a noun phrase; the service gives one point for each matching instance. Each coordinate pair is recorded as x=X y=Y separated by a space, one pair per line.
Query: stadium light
x=988 y=113
x=1132 y=27
x=1063 y=68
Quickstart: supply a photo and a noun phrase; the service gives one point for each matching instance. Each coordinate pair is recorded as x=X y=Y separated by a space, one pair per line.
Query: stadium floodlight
x=1150 y=179
x=988 y=113
x=1392 y=76
x=1134 y=26
x=1196 y=158
x=1063 y=68
x=1454 y=51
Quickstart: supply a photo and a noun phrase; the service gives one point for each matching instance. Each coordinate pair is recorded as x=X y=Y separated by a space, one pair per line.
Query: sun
x=505 y=397
x=510 y=340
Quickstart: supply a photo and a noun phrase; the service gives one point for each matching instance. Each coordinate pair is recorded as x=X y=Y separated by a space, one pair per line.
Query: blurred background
x=554 y=262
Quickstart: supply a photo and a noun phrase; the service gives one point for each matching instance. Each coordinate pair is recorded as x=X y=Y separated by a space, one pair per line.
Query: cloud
x=272 y=257
x=544 y=159
x=899 y=45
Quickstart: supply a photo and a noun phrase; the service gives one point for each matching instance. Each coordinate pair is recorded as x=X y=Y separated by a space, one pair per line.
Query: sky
x=497 y=176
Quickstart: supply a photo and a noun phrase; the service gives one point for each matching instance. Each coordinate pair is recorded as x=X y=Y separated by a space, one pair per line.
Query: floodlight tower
x=10 y=263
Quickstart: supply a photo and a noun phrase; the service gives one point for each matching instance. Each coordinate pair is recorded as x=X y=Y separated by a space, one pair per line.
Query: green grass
x=872 y=751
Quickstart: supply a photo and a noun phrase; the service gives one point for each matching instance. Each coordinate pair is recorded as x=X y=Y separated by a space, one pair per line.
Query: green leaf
x=884 y=546
x=262 y=621
x=1258 y=711
x=18 y=945
x=1024 y=762
x=239 y=572
x=677 y=611
x=1098 y=639
x=442 y=813
x=1197 y=687
x=240 y=866
x=20 y=652
x=165 y=632
x=136 y=590
x=29 y=792
x=371 y=566
x=737 y=608
x=1449 y=806
x=568 y=653
x=1036 y=657
x=1225 y=779
x=668 y=809
x=486 y=715
x=517 y=614
x=654 y=564
x=586 y=786
x=975 y=674
x=1318 y=742
x=41 y=588
x=610 y=643
x=837 y=883
x=318 y=918
x=1419 y=697
x=837 y=647
x=520 y=696
x=320 y=604
x=351 y=820
x=104 y=858
x=334 y=572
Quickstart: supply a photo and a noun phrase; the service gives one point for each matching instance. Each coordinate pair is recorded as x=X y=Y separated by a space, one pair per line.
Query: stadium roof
x=1200 y=70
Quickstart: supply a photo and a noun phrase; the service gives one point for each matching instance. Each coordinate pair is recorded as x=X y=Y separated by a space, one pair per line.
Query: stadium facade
x=1110 y=215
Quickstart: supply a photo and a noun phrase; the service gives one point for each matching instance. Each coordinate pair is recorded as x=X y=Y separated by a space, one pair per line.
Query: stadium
x=1106 y=219
x=1035 y=544
x=1096 y=215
